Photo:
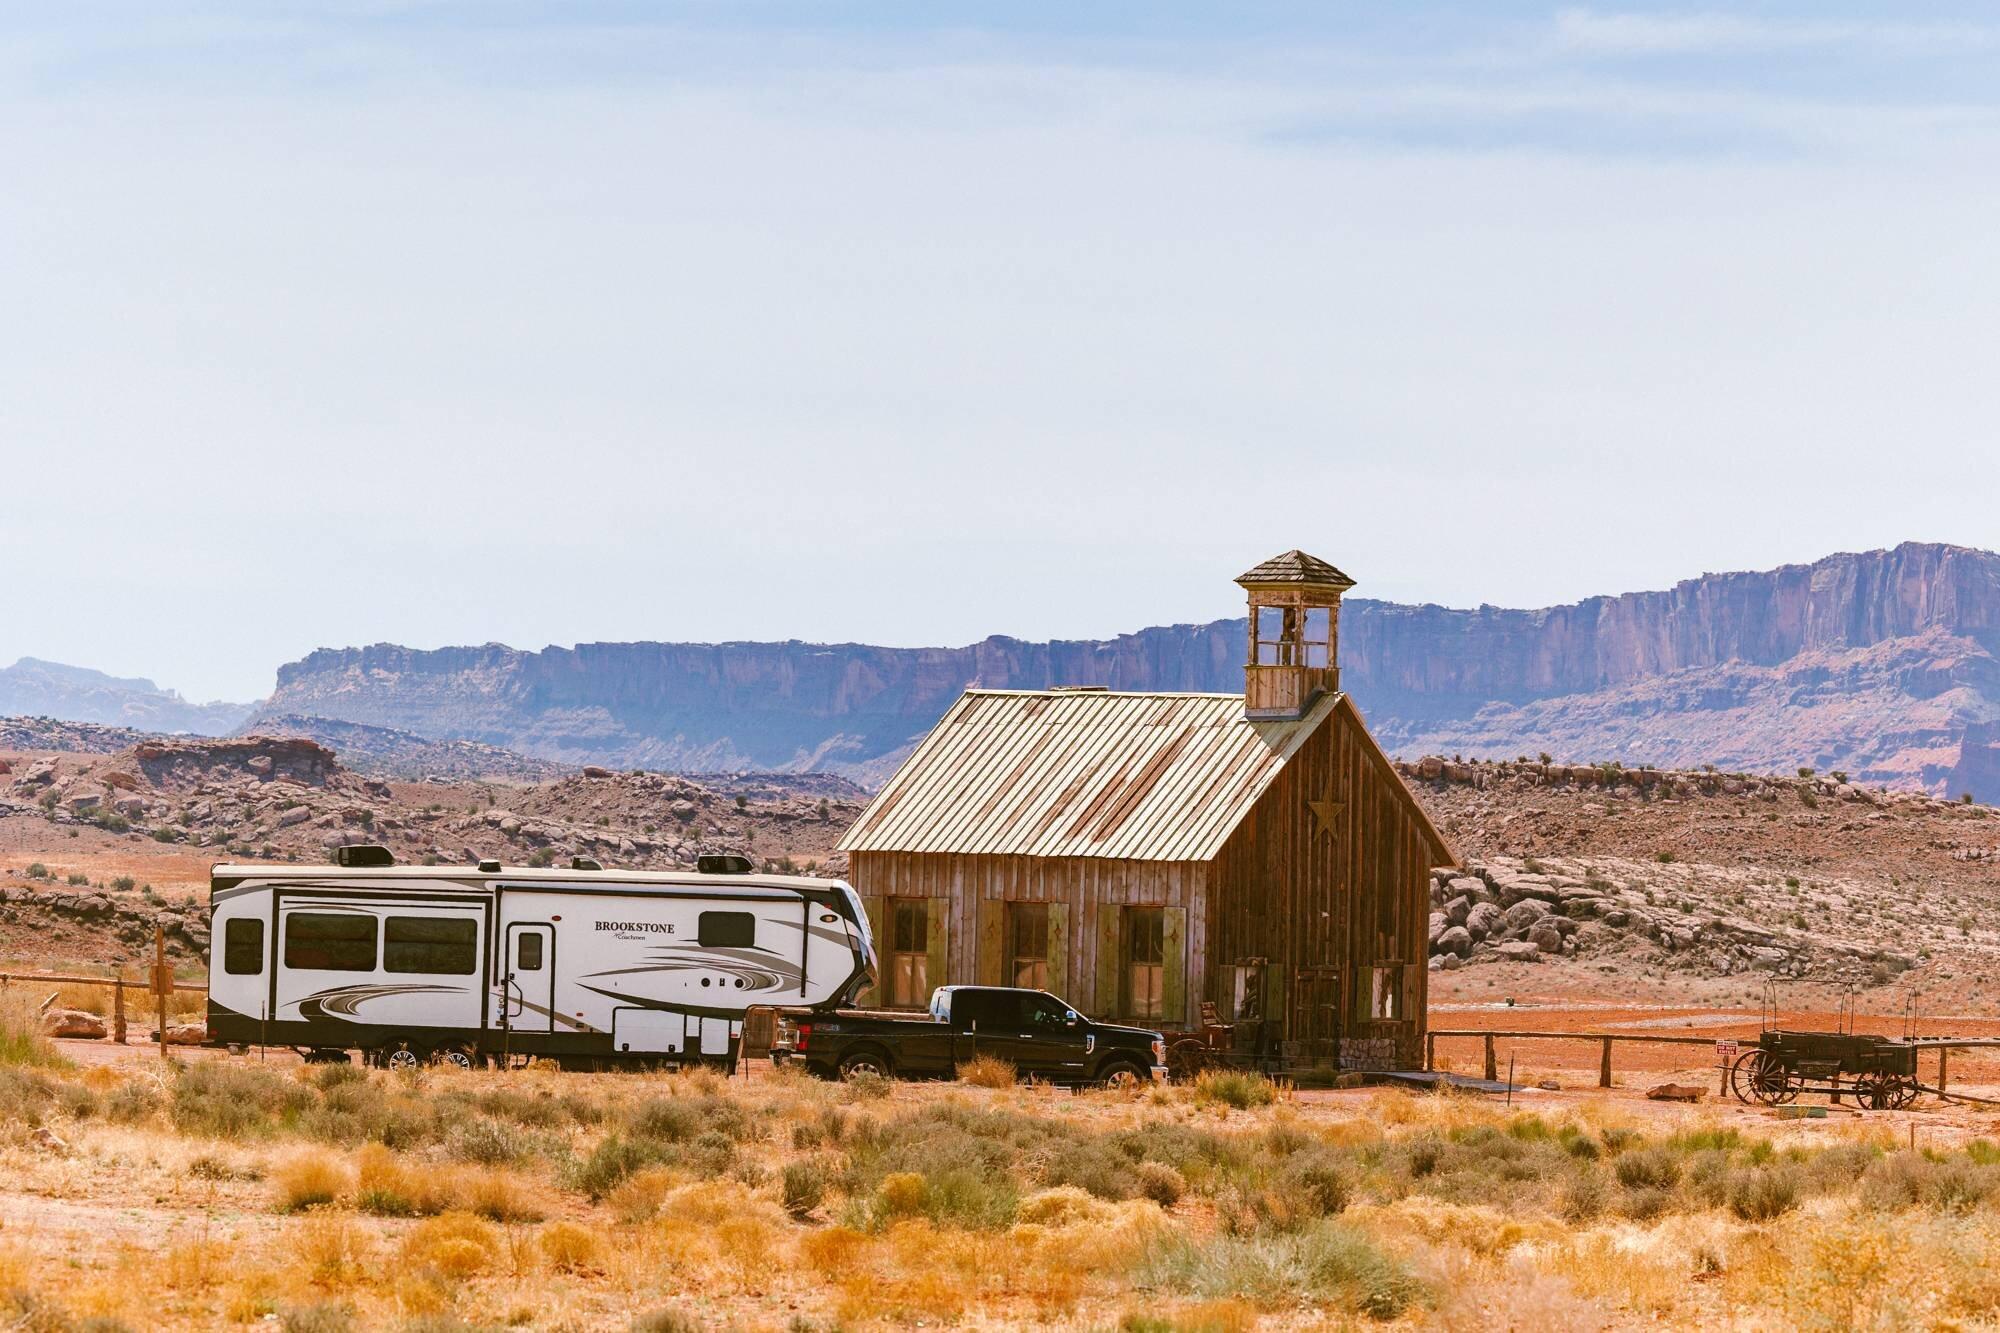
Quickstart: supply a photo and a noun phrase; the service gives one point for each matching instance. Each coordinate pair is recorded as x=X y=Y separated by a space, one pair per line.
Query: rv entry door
x=530 y=972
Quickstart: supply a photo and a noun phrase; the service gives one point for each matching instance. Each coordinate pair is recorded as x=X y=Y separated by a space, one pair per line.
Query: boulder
x=1767 y=959
x=1456 y=940
x=1546 y=937
x=1483 y=920
x=84 y=801
x=73 y=1023
x=1456 y=911
x=1523 y=915
x=1437 y=927
x=263 y=765
x=1520 y=951
x=1450 y=962
x=1617 y=917
x=594 y=771
x=1470 y=887
x=298 y=814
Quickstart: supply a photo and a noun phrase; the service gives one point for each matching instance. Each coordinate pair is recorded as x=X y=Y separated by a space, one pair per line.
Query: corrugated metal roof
x=1150 y=777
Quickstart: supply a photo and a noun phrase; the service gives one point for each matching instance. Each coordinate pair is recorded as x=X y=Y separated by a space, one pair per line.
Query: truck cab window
x=243 y=947
x=330 y=942
x=989 y=1009
x=1043 y=1011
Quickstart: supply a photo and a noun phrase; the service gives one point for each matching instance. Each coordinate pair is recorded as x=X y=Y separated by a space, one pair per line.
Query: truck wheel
x=865 y=1062
x=455 y=1057
x=1121 y=1076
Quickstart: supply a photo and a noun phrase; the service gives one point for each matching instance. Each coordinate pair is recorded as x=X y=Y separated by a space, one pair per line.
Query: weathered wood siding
x=1288 y=891
x=1084 y=894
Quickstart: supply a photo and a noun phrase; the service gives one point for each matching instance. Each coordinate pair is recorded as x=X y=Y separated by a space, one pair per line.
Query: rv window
x=727 y=930
x=243 y=947
x=434 y=944
x=528 y=954
x=330 y=942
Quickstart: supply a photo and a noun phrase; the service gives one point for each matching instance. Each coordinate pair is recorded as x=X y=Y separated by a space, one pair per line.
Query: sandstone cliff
x=1886 y=663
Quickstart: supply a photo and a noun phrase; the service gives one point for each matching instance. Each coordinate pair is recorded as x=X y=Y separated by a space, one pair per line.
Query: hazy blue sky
x=436 y=323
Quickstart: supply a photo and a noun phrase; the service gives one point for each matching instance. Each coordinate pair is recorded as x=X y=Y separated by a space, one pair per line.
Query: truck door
x=1049 y=1038
x=528 y=973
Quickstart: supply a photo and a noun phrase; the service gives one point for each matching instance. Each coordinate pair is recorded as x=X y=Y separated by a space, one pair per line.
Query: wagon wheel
x=1887 y=1092
x=1875 y=1090
x=1186 y=1058
x=1757 y=1077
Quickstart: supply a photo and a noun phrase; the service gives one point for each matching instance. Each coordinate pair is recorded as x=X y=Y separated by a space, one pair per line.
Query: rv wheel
x=402 y=1057
x=458 y=1057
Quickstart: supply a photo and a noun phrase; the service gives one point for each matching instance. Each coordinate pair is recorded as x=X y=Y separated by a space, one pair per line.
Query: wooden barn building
x=1140 y=854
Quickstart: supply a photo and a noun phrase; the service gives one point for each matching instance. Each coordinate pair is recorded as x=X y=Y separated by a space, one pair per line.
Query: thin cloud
x=1592 y=31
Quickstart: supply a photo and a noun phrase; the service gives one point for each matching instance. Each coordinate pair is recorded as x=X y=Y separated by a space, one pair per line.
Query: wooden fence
x=1942 y=1045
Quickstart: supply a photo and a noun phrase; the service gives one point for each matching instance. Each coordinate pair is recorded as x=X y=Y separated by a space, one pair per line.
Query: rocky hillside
x=33 y=687
x=384 y=752
x=291 y=799
x=1705 y=874
x=1886 y=664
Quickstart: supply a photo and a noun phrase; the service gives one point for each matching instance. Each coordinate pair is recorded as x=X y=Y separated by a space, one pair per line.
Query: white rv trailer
x=585 y=966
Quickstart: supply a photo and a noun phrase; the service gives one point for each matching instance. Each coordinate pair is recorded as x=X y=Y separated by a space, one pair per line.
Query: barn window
x=330 y=942
x=726 y=930
x=1275 y=635
x=243 y=947
x=1028 y=945
x=1387 y=999
x=439 y=945
x=909 y=953
x=1145 y=961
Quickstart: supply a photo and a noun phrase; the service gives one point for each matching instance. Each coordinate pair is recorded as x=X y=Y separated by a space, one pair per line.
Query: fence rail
x=62 y=979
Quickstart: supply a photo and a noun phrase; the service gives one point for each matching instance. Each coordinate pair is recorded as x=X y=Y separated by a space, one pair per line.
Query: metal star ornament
x=1327 y=812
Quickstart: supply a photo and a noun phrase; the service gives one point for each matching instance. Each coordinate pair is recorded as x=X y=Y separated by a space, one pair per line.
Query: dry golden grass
x=987 y=1071
x=983 y=1206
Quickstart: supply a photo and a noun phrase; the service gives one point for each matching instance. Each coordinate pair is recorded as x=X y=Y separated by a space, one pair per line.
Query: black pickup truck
x=1041 y=1036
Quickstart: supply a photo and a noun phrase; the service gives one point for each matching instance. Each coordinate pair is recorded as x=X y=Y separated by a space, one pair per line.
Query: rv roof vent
x=363 y=854
x=584 y=863
x=722 y=865
x=489 y=867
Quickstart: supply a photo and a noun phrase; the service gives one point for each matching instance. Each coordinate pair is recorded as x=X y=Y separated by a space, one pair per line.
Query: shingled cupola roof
x=1295 y=567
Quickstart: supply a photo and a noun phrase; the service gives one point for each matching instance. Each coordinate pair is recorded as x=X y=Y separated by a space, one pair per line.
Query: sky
x=433 y=323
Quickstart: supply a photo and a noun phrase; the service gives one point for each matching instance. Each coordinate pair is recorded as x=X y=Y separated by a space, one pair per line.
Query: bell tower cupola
x=1294 y=635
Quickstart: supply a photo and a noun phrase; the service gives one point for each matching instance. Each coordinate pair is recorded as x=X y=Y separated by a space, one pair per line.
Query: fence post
x=1492 y=1069
x=1430 y=1052
x=1604 y=1066
x=118 y=1008
x=1944 y=1058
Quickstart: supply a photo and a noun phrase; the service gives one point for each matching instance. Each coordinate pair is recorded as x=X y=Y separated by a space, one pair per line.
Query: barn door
x=1315 y=1011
